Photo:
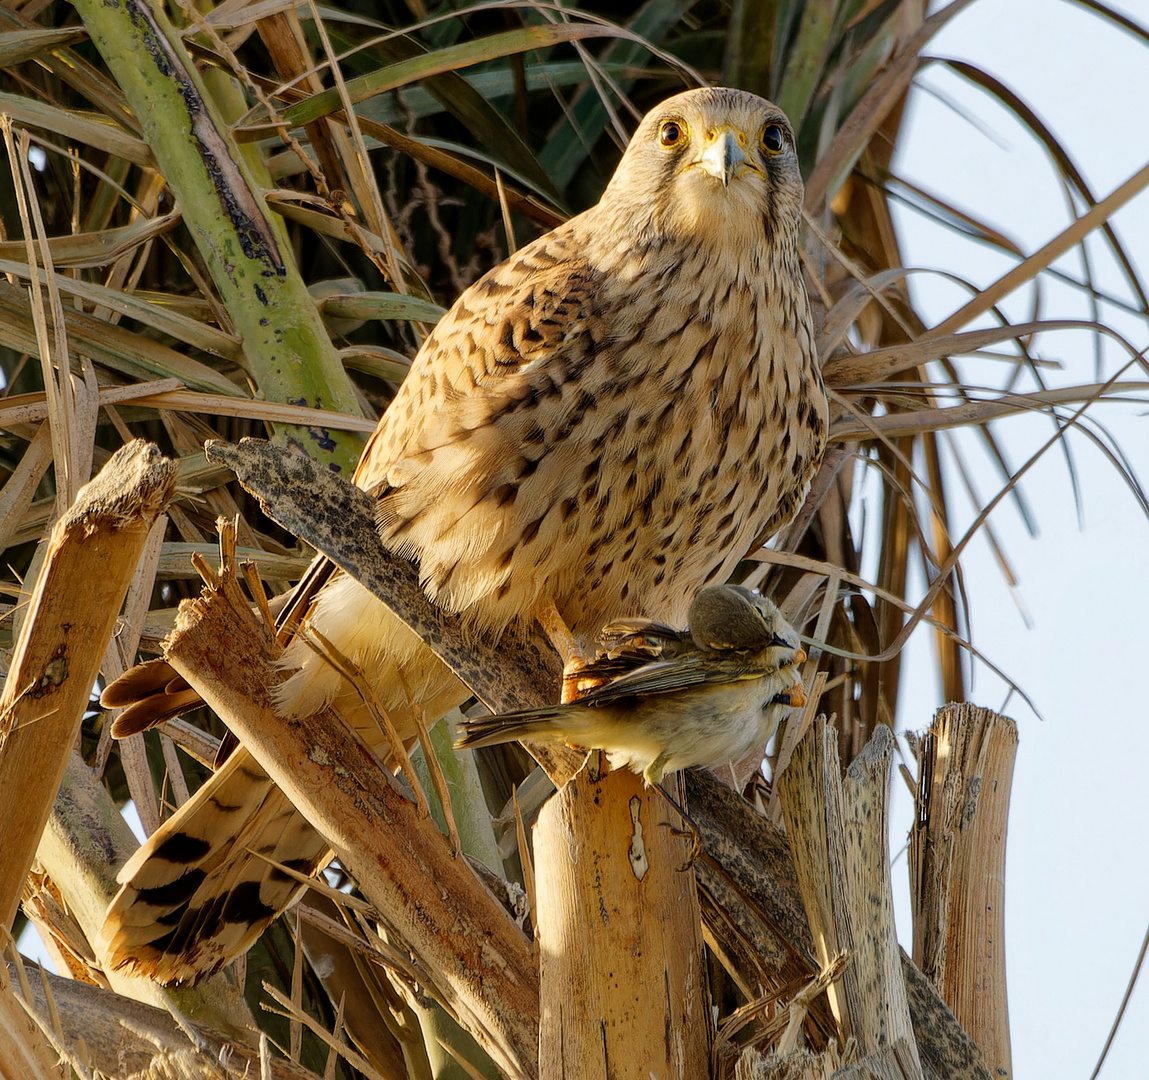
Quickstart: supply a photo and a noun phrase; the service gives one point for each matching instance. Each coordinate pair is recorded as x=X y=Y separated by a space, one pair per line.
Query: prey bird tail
x=525 y=726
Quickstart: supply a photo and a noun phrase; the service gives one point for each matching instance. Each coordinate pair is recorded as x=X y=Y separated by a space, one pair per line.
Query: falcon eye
x=773 y=138
x=670 y=133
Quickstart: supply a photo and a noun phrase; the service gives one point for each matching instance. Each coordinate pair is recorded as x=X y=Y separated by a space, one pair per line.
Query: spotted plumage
x=608 y=422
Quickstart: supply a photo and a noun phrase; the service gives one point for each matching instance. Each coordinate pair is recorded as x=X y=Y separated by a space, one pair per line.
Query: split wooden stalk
x=91 y=557
x=25 y=1053
x=957 y=870
x=838 y=836
x=117 y=1036
x=477 y=960
x=623 y=990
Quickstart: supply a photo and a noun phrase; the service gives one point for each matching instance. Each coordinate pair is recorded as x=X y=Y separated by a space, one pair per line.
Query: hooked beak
x=724 y=157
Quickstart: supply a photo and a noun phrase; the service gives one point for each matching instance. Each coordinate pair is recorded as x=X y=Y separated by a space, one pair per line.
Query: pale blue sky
x=1077 y=900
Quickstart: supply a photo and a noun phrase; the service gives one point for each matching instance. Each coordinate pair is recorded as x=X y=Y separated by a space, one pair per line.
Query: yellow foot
x=575 y=660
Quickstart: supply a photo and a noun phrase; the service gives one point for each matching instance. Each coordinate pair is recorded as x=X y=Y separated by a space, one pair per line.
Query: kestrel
x=675 y=698
x=599 y=427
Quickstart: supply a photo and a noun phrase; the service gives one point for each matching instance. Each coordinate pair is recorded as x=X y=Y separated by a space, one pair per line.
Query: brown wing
x=517 y=331
x=475 y=446
x=625 y=644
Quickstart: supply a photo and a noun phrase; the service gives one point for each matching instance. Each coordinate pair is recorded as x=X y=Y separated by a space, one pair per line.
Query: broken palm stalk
x=957 y=869
x=623 y=990
x=472 y=956
x=838 y=832
x=72 y=612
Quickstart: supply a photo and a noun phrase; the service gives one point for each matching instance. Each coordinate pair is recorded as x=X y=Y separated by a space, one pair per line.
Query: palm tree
x=382 y=157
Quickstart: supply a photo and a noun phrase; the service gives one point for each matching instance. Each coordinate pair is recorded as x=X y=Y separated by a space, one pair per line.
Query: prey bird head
x=730 y=617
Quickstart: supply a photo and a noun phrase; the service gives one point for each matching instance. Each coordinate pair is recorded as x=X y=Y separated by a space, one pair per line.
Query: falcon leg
x=573 y=656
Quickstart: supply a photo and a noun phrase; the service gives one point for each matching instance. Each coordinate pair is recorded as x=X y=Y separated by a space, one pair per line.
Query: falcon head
x=706 y=162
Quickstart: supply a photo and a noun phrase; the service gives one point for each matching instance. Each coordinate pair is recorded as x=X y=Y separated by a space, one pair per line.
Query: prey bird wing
x=666 y=676
x=629 y=677
x=641 y=635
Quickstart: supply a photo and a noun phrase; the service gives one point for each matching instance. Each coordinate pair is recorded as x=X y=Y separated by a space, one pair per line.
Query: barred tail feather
x=200 y=891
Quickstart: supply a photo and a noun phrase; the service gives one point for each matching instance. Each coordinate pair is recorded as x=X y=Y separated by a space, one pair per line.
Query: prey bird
x=599 y=427
x=674 y=698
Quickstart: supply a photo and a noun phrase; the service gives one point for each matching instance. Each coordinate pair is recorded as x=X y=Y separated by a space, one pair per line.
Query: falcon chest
x=693 y=430
x=608 y=425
